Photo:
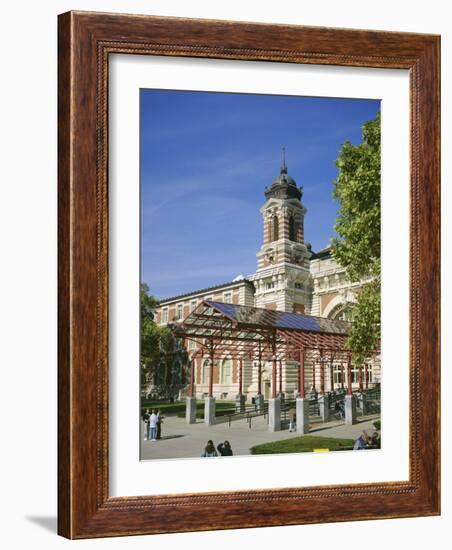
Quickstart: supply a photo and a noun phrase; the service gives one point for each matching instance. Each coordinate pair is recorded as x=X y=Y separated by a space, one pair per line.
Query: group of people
x=366 y=441
x=223 y=448
x=153 y=425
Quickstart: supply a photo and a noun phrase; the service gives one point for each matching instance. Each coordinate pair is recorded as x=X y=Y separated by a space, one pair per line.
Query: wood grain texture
x=85 y=42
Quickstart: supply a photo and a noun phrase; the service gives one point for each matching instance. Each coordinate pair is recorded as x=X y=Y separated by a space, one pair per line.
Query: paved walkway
x=181 y=440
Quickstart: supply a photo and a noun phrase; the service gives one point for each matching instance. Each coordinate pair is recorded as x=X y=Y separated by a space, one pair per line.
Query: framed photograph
x=248 y=275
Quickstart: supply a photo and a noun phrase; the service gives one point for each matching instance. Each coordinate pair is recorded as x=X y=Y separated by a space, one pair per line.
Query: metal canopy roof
x=282 y=320
x=250 y=332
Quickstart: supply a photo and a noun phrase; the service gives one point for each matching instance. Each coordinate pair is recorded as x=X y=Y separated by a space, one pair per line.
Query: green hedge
x=303 y=444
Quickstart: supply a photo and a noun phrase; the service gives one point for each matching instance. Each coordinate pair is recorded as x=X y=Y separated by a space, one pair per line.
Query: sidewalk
x=181 y=440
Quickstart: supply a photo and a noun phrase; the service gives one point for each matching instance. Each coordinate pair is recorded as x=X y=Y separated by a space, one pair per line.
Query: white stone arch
x=338 y=301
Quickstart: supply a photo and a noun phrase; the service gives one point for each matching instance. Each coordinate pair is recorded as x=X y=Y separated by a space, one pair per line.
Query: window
x=299 y=286
x=292 y=232
x=337 y=375
x=191 y=345
x=165 y=315
x=193 y=305
x=370 y=378
x=342 y=312
x=209 y=310
x=205 y=371
x=179 y=311
x=226 y=372
x=227 y=297
x=269 y=286
x=355 y=375
x=275 y=228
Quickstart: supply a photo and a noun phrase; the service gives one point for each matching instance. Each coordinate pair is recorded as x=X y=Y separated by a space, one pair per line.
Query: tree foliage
x=156 y=342
x=358 y=225
x=365 y=334
x=358 y=188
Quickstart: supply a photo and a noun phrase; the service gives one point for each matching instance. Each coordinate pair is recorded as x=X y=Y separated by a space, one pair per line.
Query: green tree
x=148 y=304
x=157 y=348
x=156 y=341
x=358 y=225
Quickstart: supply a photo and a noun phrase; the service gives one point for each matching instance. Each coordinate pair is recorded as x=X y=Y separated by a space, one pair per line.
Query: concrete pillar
x=350 y=409
x=240 y=402
x=209 y=411
x=274 y=415
x=302 y=415
x=259 y=402
x=324 y=406
x=190 y=410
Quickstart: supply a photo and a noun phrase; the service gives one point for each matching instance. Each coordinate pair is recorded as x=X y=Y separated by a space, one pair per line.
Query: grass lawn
x=303 y=444
x=179 y=407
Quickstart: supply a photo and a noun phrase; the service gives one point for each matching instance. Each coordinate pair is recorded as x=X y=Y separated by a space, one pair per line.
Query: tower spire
x=283 y=161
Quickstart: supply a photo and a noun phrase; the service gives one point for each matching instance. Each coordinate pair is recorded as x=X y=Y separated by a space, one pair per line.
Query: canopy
x=244 y=331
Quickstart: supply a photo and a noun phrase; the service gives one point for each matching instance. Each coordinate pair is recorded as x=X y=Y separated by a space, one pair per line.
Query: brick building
x=289 y=277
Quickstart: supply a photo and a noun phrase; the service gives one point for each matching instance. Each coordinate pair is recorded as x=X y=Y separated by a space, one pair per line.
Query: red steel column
x=259 y=372
x=349 y=375
x=192 y=377
x=301 y=389
x=240 y=375
x=210 y=394
x=342 y=375
x=322 y=374
x=274 y=378
x=280 y=376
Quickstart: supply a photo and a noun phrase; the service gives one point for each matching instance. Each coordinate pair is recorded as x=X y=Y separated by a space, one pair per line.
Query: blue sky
x=206 y=159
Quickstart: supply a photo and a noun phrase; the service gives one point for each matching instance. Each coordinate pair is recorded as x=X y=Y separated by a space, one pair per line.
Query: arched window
x=342 y=312
x=275 y=228
x=292 y=229
x=205 y=371
x=226 y=372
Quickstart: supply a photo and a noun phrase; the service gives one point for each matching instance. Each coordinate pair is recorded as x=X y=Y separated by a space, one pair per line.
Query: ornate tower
x=282 y=279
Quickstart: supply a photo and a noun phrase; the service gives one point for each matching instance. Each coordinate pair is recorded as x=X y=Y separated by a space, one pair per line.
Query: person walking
x=153 y=426
x=159 y=424
x=145 y=419
x=225 y=449
x=209 y=450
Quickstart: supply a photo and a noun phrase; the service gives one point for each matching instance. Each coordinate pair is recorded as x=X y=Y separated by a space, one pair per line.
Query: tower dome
x=283 y=186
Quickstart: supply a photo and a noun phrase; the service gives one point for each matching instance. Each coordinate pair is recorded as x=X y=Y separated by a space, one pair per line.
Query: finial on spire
x=283 y=161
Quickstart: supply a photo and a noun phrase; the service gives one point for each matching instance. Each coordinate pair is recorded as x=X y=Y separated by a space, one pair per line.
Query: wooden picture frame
x=86 y=40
